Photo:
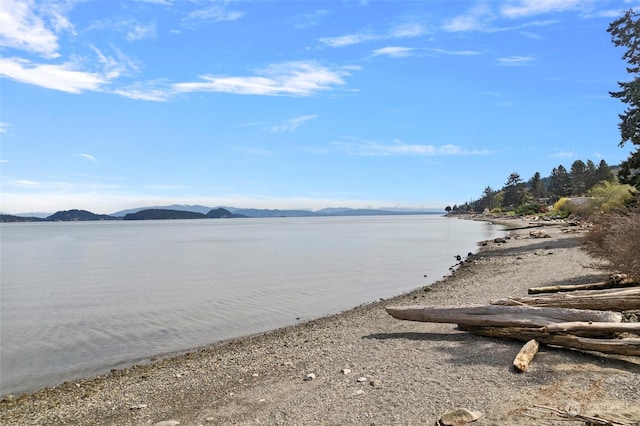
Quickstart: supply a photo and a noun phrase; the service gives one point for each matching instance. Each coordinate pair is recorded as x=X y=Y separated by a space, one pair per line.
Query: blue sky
x=107 y=105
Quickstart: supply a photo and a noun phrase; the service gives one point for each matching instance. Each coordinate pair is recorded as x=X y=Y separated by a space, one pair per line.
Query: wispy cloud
x=310 y=19
x=301 y=78
x=484 y=17
x=217 y=11
x=526 y=8
x=88 y=157
x=26 y=183
x=21 y=28
x=477 y=18
x=515 y=60
x=70 y=77
x=395 y=51
x=291 y=125
x=401 y=31
x=400 y=148
x=4 y=127
x=563 y=154
x=132 y=29
x=64 y=77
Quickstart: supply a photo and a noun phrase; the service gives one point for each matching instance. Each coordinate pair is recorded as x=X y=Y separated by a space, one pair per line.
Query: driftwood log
x=613 y=300
x=525 y=356
x=629 y=346
x=594 y=329
x=592 y=286
x=500 y=315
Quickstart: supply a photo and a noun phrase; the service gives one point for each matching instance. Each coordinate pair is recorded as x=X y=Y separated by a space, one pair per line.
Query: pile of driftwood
x=600 y=317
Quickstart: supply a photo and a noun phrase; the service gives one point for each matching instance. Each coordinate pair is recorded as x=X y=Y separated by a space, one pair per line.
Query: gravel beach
x=363 y=367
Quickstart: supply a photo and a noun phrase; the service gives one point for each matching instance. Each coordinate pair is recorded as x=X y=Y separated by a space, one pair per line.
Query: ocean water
x=80 y=298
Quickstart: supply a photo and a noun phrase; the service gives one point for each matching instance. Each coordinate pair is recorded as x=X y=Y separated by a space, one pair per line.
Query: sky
x=107 y=105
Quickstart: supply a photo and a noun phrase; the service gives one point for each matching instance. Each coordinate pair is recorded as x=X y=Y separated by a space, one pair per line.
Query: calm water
x=78 y=299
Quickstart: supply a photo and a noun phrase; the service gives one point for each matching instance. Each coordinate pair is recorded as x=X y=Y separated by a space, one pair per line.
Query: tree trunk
x=525 y=356
x=499 y=315
x=614 y=300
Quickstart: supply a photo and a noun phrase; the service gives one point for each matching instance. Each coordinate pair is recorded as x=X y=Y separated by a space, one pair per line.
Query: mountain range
x=178 y=211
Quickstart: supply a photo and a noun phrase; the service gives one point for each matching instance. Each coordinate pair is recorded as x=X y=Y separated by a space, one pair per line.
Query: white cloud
x=310 y=19
x=4 y=127
x=399 y=148
x=217 y=12
x=21 y=28
x=515 y=60
x=290 y=78
x=68 y=77
x=476 y=19
x=349 y=39
x=64 y=77
x=26 y=183
x=410 y=30
x=394 y=51
x=525 y=8
x=292 y=124
x=563 y=154
x=88 y=157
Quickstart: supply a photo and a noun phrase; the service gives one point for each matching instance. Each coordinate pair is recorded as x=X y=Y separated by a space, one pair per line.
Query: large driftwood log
x=592 y=286
x=525 y=356
x=499 y=315
x=613 y=300
x=594 y=329
x=629 y=346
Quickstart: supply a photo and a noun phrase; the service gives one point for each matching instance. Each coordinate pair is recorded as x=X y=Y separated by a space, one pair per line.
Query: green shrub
x=528 y=209
x=610 y=196
x=563 y=207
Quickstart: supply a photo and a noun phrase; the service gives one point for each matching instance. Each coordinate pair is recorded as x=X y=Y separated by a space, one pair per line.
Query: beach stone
x=359 y=392
x=459 y=417
x=346 y=371
x=167 y=423
x=361 y=379
x=309 y=377
x=138 y=407
x=375 y=383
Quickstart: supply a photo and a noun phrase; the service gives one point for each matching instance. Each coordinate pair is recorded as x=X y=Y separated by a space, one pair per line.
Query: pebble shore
x=362 y=367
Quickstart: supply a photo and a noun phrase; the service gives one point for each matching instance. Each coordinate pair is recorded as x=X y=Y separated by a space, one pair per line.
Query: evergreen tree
x=603 y=172
x=625 y=32
x=514 y=192
x=559 y=182
x=578 y=178
x=536 y=186
x=591 y=175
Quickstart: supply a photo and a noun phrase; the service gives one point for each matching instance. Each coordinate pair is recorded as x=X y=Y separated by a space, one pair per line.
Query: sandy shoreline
x=397 y=372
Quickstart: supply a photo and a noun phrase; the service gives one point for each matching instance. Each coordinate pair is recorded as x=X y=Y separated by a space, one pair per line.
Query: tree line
x=536 y=194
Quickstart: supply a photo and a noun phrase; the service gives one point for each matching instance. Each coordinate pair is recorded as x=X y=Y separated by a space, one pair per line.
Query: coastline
x=400 y=372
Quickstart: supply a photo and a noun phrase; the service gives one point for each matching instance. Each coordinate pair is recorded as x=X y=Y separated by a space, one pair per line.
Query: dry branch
x=499 y=315
x=614 y=300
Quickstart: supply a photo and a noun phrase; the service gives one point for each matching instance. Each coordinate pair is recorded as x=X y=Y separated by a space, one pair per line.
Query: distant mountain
x=78 y=215
x=221 y=213
x=41 y=215
x=272 y=212
x=162 y=214
x=8 y=218
x=180 y=207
